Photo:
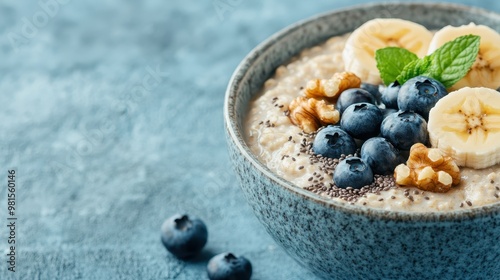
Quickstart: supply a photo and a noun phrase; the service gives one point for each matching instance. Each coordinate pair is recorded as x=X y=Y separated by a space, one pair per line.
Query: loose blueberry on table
x=227 y=266
x=184 y=237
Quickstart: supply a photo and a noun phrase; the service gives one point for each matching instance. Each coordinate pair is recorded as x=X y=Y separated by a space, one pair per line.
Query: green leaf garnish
x=453 y=60
x=391 y=61
x=448 y=64
x=415 y=68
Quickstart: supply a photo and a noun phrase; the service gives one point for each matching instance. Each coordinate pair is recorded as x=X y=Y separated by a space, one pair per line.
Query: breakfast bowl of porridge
x=367 y=141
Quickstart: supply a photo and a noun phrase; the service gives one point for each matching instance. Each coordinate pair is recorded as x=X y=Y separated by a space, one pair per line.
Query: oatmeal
x=286 y=149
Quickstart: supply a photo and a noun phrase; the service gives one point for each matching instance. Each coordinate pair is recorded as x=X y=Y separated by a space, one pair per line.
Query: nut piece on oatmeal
x=330 y=89
x=428 y=170
x=310 y=113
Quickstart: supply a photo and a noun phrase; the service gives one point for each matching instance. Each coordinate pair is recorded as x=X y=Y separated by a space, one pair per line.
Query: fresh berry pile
x=382 y=124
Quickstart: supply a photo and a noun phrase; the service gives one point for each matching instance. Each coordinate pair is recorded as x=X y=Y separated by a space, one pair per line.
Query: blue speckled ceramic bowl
x=353 y=242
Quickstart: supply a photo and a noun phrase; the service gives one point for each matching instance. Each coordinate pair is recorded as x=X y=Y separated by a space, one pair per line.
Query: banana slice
x=465 y=125
x=485 y=72
x=360 y=47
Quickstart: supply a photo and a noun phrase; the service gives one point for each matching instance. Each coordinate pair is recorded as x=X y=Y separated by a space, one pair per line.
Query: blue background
x=111 y=115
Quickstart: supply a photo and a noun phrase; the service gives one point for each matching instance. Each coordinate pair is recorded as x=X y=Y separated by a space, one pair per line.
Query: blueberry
x=390 y=95
x=333 y=142
x=352 y=172
x=352 y=96
x=388 y=111
x=403 y=129
x=381 y=155
x=374 y=90
x=420 y=94
x=227 y=266
x=184 y=237
x=362 y=120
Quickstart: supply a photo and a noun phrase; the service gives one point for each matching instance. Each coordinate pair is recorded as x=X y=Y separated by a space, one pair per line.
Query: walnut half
x=330 y=89
x=428 y=170
x=310 y=113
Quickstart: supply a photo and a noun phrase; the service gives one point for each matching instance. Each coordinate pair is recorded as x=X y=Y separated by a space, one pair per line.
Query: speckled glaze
x=341 y=241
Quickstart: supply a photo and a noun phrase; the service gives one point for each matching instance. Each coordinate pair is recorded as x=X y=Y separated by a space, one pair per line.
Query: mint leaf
x=415 y=68
x=452 y=61
x=391 y=61
x=448 y=64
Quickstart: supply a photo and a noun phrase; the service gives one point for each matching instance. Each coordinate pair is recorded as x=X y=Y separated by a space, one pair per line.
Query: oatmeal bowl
x=367 y=141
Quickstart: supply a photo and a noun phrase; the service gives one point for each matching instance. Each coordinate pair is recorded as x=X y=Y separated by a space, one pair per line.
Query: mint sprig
x=418 y=67
x=448 y=64
x=391 y=61
x=453 y=60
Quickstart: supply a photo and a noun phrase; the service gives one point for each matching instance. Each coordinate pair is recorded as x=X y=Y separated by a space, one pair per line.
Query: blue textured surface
x=105 y=150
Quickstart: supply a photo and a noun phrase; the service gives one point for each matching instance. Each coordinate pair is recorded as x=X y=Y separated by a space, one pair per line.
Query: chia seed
x=326 y=167
x=468 y=202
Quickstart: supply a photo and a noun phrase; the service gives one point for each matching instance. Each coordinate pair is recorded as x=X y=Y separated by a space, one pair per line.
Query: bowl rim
x=231 y=126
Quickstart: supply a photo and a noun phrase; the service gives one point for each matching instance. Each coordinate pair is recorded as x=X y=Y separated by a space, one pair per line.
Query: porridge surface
x=286 y=151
